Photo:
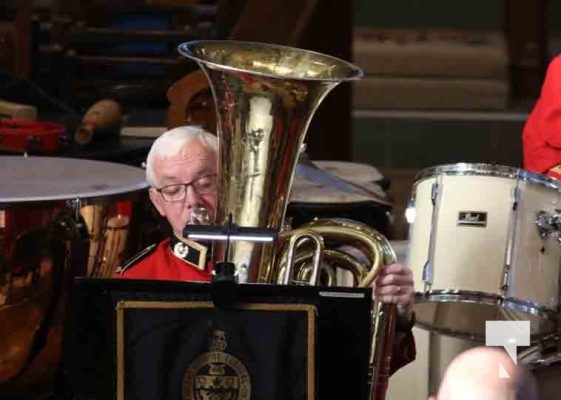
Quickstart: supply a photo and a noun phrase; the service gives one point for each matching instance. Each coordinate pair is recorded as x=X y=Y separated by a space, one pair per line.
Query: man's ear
x=156 y=200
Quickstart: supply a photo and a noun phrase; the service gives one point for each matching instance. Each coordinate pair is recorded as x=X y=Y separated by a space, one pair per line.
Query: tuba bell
x=265 y=97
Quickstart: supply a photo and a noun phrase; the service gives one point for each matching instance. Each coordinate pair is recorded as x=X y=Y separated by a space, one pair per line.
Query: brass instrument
x=265 y=97
x=371 y=245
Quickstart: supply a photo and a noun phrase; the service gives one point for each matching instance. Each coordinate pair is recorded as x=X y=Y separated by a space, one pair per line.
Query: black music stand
x=140 y=339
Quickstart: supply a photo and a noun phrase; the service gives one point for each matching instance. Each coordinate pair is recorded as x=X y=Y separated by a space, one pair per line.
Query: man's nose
x=192 y=198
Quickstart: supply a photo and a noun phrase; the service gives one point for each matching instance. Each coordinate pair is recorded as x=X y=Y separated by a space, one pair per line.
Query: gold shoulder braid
x=136 y=258
x=191 y=252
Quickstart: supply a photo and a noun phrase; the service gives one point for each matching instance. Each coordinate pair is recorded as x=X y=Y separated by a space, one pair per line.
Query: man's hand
x=394 y=284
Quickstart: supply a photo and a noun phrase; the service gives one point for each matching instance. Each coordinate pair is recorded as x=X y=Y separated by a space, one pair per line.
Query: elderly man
x=181 y=168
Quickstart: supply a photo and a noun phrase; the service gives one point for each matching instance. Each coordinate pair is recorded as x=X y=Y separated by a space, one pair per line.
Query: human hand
x=394 y=284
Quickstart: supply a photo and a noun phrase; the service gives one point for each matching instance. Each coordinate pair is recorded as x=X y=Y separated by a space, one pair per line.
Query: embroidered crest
x=181 y=249
x=216 y=374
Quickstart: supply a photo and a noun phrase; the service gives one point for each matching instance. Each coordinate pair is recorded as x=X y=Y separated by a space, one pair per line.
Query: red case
x=35 y=136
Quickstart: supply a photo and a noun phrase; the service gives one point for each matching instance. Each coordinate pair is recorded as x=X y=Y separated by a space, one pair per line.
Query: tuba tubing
x=379 y=253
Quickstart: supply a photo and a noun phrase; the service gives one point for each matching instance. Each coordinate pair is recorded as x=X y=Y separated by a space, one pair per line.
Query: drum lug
x=515 y=198
x=549 y=224
x=75 y=205
x=434 y=193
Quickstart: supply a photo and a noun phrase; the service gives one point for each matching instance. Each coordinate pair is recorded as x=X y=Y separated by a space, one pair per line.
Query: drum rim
x=487 y=169
x=85 y=196
x=465 y=296
x=82 y=201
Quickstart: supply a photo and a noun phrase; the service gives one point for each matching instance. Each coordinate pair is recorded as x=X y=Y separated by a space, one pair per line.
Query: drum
x=338 y=189
x=484 y=245
x=59 y=218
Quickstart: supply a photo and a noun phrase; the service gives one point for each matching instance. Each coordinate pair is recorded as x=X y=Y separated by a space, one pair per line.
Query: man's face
x=193 y=162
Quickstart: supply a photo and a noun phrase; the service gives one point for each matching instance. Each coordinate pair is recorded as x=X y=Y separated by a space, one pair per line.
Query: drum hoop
x=131 y=186
x=495 y=170
x=337 y=205
x=94 y=198
x=465 y=296
x=469 y=296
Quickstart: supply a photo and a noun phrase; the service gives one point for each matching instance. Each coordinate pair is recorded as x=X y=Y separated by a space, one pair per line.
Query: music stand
x=140 y=339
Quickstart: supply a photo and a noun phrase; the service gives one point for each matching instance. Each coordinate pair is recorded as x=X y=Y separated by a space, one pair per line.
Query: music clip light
x=229 y=232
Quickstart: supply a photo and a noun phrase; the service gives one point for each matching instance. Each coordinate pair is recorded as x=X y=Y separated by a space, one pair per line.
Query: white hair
x=171 y=142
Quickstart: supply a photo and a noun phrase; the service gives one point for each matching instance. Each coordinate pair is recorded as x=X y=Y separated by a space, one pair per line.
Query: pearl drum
x=484 y=245
x=59 y=218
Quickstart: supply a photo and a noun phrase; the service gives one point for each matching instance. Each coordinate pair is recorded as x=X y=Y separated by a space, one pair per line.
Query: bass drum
x=59 y=218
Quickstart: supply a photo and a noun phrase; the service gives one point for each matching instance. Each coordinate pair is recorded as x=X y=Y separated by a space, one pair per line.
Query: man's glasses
x=178 y=191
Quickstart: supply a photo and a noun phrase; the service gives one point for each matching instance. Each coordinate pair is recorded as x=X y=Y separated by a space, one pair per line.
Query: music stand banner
x=190 y=350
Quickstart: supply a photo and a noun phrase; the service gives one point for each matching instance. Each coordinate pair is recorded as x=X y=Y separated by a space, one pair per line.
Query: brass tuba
x=265 y=97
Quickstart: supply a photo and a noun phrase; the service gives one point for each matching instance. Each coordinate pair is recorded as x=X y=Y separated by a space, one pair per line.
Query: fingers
x=394 y=285
x=395 y=269
x=401 y=295
x=394 y=274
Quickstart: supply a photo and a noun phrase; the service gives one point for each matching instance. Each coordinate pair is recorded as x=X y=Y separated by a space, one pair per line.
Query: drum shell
x=44 y=244
x=469 y=262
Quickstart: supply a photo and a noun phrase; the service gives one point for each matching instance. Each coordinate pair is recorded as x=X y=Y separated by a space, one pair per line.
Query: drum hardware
x=427 y=268
x=265 y=96
x=75 y=206
x=549 y=224
x=512 y=224
x=543 y=354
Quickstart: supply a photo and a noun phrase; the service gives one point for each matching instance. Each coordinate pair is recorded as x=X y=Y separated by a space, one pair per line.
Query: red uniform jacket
x=162 y=263
x=541 y=136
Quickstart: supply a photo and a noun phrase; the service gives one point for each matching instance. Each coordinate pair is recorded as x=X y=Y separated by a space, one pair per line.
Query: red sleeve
x=404 y=350
x=541 y=136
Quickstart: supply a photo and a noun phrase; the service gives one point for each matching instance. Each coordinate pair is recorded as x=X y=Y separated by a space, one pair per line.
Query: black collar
x=189 y=251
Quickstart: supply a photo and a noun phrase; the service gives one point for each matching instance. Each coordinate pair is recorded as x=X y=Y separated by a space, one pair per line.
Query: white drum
x=484 y=245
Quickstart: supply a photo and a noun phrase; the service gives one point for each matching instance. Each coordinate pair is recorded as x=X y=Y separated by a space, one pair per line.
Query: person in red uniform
x=181 y=168
x=541 y=136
